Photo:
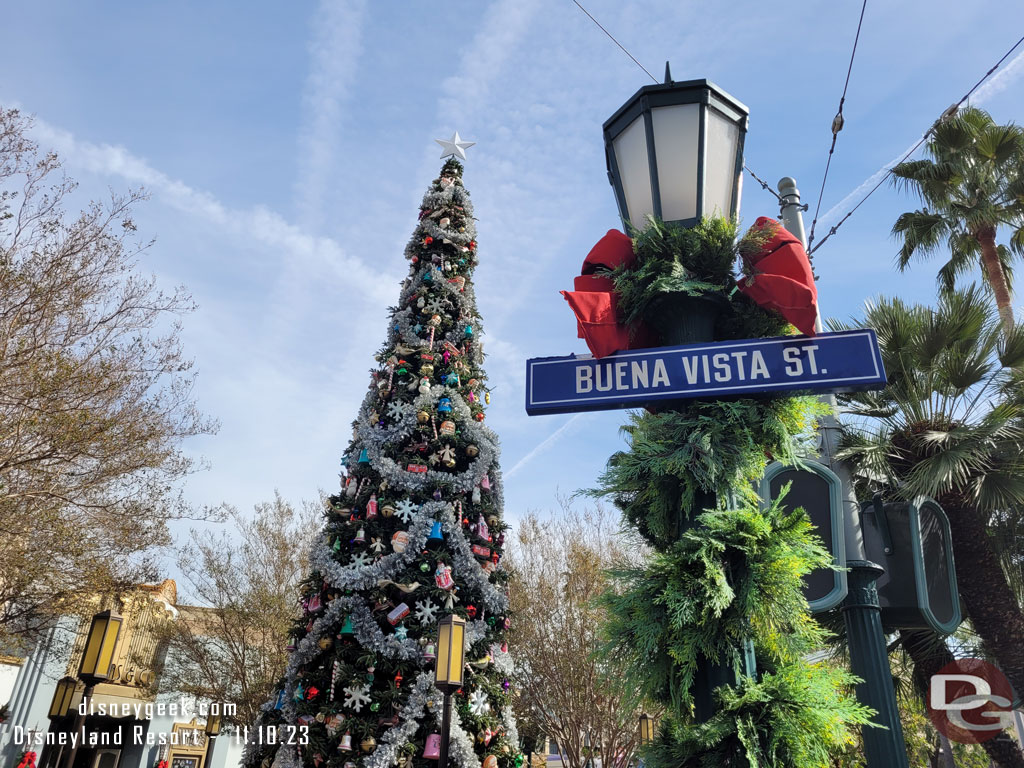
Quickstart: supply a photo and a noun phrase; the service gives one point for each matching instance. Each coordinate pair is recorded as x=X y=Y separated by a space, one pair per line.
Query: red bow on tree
x=28 y=760
x=781 y=278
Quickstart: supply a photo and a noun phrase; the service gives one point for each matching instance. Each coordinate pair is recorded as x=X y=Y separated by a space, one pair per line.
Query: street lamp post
x=451 y=652
x=97 y=658
x=648 y=725
x=675 y=151
x=212 y=729
x=60 y=709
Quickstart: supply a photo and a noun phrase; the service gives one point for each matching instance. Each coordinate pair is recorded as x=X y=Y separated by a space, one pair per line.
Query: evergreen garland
x=725 y=571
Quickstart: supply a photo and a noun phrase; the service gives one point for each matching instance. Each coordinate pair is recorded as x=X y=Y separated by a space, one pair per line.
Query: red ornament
x=398 y=680
x=311 y=692
x=428 y=240
x=471 y=611
x=479 y=416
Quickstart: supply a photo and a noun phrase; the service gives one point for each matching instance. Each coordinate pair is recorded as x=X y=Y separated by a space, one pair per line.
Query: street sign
x=819 y=491
x=827 y=362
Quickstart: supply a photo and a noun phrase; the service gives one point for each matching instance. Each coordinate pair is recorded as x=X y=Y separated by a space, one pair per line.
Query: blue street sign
x=828 y=362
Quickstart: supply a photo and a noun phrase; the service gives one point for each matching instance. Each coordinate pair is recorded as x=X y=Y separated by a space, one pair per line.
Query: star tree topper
x=455 y=147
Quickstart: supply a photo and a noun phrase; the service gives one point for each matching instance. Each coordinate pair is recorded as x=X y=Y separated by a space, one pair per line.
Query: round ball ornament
x=472 y=451
x=422 y=417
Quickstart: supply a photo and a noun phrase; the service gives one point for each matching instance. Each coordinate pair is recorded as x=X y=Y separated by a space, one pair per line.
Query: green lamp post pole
x=675 y=151
x=883 y=747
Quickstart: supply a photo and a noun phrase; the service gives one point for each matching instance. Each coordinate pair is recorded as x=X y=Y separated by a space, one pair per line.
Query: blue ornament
x=427 y=278
x=344 y=461
x=417 y=328
x=444 y=405
x=364 y=458
x=469 y=331
x=436 y=539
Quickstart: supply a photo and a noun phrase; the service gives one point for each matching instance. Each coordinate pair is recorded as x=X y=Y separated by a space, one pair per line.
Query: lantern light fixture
x=100 y=645
x=675 y=151
x=63 y=698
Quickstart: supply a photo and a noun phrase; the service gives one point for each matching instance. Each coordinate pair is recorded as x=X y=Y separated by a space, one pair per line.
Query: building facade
x=128 y=722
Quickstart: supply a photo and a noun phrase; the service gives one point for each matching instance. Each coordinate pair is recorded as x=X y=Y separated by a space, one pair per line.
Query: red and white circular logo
x=970 y=700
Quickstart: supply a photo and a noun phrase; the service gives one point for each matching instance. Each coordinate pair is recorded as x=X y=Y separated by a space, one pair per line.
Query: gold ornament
x=427 y=369
x=472 y=451
x=422 y=417
x=387 y=510
x=492 y=520
x=487 y=398
x=325 y=643
x=369 y=744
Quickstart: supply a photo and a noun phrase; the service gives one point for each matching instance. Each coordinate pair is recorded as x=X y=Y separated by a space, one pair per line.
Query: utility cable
x=837 y=124
x=616 y=41
x=764 y=185
x=950 y=112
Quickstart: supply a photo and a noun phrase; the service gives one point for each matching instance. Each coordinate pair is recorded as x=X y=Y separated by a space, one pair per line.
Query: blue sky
x=287 y=146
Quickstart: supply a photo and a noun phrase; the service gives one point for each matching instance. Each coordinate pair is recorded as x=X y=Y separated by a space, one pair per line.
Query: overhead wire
x=947 y=114
x=763 y=184
x=837 y=123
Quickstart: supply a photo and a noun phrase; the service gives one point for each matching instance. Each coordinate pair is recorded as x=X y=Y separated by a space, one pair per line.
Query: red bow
x=594 y=301
x=782 y=279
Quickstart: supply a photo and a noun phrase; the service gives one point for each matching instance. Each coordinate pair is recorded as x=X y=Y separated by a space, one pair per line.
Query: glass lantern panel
x=720 y=174
x=634 y=172
x=676 y=139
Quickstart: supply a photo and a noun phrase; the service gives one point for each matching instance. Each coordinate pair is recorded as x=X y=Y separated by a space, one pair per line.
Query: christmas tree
x=415 y=533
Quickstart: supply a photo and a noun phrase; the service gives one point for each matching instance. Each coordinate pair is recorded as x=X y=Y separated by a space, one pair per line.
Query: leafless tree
x=95 y=394
x=558 y=571
x=230 y=646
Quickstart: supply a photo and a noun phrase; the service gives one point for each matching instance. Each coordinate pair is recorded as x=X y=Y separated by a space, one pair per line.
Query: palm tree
x=972 y=186
x=950 y=425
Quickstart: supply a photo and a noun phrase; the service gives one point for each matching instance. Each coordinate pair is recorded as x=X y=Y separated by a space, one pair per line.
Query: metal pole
x=828 y=427
x=78 y=731
x=210 y=739
x=446 y=724
x=883 y=747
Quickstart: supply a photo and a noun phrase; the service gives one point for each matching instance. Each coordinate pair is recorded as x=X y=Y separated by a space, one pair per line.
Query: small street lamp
x=212 y=729
x=648 y=725
x=62 y=698
x=451 y=653
x=676 y=151
x=61 y=707
x=97 y=659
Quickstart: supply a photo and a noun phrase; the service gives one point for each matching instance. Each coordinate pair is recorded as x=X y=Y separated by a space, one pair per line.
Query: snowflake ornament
x=478 y=703
x=396 y=410
x=359 y=560
x=356 y=696
x=426 y=611
x=434 y=307
x=405 y=509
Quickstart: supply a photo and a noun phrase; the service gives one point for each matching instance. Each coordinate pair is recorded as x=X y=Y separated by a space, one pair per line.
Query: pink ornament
x=443 y=576
x=482 y=531
x=371 y=507
x=432 y=750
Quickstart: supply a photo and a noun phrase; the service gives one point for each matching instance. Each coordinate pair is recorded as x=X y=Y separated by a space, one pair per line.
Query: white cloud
x=334 y=52
x=543 y=445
